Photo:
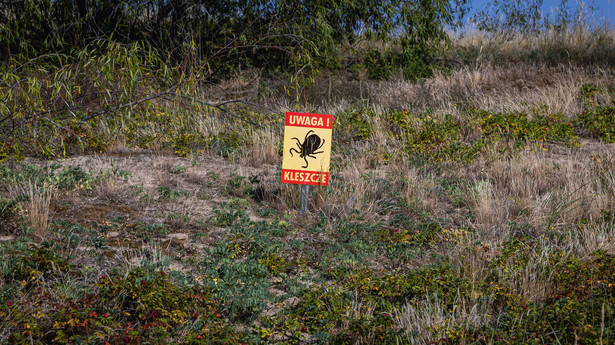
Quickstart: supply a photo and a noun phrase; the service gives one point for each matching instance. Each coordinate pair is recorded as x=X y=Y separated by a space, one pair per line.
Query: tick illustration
x=308 y=148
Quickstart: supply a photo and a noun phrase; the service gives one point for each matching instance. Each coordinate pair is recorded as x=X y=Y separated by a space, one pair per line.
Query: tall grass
x=37 y=209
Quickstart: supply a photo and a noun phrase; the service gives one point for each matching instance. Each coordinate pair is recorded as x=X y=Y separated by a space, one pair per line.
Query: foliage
x=600 y=122
x=464 y=138
x=48 y=102
x=354 y=124
x=597 y=120
x=44 y=177
x=9 y=205
x=270 y=34
x=413 y=63
x=509 y=17
x=578 y=309
x=49 y=175
x=129 y=307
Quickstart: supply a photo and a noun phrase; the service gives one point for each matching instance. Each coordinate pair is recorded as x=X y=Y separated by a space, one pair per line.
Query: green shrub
x=353 y=124
x=599 y=122
x=379 y=65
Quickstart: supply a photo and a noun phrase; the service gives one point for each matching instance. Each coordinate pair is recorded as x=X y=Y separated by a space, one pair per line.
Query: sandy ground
x=115 y=209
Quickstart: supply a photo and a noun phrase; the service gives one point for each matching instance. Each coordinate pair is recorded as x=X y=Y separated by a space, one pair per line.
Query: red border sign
x=311 y=167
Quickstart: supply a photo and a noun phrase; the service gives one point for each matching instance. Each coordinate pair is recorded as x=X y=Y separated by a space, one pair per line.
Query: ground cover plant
x=471 y=196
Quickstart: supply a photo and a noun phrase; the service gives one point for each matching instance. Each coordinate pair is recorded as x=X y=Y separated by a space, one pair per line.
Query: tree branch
x=130 y=104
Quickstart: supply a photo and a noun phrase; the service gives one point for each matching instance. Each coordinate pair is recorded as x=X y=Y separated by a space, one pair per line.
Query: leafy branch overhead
x=257 y=32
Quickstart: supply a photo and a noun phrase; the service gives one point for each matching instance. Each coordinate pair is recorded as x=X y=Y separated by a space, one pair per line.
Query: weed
x=8 y=207
x=153 y=229
x=178 y=170
x=228 y=215
x=168 y=194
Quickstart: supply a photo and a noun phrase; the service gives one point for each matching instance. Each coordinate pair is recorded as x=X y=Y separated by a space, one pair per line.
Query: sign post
x=307 y=151
x=305 y=191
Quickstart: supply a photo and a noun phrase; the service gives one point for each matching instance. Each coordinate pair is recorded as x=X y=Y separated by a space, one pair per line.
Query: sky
x=605 y=9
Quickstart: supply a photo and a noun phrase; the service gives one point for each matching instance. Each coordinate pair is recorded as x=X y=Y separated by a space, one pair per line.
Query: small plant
x=228 y=215
x=8 y=207
x=354 y=124
x=178 y=170
x=153 y=229
x=240 y=185
x=167 y=193
x=181 y=144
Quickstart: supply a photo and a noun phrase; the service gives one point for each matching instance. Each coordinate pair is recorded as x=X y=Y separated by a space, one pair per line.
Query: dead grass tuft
x=264 y=150
x=358 y=187
x=109 y=191
x=491 y=209
x=534 y=281
x=419 y=188
x=37 y=210
x=146 y=255
x=592 y=237
x=429 y=320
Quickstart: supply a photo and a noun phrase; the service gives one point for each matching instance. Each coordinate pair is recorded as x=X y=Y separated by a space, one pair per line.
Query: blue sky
x=605 y=9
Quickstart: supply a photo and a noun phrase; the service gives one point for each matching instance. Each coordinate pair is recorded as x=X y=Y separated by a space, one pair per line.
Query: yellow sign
x=307 y=148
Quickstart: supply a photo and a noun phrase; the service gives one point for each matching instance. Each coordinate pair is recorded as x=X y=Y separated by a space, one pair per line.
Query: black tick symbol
x=311 y=143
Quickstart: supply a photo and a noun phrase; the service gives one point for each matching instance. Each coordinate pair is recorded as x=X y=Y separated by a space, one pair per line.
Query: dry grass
x=264 y=150
x=430 y=319
x=358 y=187
x=37 y=210
x=534 y=281
x=546 y=190
x=490 y=209
x=554 y=201
x=419 y=187
x=497 y=88
x=110 y=191
x=590 y=238
x=579 y=45
x=136 y=257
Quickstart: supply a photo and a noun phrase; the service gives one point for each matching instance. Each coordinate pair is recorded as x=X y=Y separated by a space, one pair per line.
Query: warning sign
x=307 y=148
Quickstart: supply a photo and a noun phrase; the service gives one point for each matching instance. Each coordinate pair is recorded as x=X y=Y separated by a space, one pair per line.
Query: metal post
x=305 y=190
